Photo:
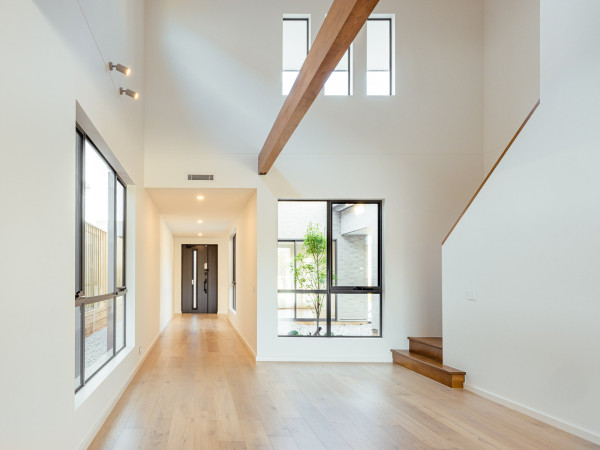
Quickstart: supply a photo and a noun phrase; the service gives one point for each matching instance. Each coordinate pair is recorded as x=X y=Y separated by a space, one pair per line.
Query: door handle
x=205 y=286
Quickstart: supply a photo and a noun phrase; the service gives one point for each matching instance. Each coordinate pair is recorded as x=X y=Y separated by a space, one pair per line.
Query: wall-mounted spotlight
x=134 y=95
x=121 y=68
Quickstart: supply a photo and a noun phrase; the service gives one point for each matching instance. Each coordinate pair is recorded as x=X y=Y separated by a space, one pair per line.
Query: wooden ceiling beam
x=343 y=22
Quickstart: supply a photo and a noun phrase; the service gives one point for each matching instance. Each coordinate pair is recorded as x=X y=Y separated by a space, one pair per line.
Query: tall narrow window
x=234 y=272
x=340 y=80
x=296 y=41
x=100 y=262
x=380 y=56
x=329 y=268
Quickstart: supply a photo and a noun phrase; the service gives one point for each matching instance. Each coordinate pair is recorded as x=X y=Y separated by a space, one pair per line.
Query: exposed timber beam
x=343 y=22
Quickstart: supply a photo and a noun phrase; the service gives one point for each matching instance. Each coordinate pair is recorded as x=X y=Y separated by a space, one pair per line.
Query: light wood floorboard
x=200 y=388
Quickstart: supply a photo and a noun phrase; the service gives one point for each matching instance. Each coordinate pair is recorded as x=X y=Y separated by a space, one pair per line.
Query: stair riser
x=450 y=380
x=426 y=350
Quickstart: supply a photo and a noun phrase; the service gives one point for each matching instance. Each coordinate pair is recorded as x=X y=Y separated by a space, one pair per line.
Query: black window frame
x=391 y=56
x=81 y=300
x=331 y=288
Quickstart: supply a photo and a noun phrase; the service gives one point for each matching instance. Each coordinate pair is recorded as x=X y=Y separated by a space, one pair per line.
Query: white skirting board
x=243 y=339
x=569 y=428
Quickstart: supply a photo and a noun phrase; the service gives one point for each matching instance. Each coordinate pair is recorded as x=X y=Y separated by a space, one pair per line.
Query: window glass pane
x=298 y=314
x=303 y=264
x=379 y=59
x=99 y=322
x=120 y=324
x=295 y=43
x=98 y=180
x=378 y=83
x=378 y=44
x=355 y=230
x=338 y=82
x=120 y=263
x=285 y=261
x=286 y=309
x=356 y=315
x=78 y=380
x=294 y=218
x=287 y=81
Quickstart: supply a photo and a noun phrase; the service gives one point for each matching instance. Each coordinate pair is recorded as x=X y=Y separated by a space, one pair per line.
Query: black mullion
x=329 y=264
x=349 y=59
x=390 y=36
x=295 y=294
x=115 y=265
x=380 y=263
x=124 y=268
x=83 y=266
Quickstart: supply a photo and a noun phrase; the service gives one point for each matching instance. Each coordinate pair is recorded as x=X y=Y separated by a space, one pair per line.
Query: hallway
x=200 y=388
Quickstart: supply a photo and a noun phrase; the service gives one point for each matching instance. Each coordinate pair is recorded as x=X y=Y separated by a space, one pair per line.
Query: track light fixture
x=121 y=68
x=134 y=95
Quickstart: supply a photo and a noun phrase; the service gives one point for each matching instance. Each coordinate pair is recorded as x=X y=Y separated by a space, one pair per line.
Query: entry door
x=199 y=279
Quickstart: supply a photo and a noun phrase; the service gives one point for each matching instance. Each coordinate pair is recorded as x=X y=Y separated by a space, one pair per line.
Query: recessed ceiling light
x=199 y=234
x=200 y=221
x=200 y=197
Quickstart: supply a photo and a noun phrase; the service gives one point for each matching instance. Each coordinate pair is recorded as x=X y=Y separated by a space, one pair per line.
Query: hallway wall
x=244 y=319
x=528 y=246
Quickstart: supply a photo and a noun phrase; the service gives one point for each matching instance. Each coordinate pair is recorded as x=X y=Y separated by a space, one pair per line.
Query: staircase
x=425 y=356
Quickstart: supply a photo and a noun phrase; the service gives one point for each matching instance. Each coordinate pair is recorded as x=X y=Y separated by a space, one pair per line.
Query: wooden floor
x=200 y=388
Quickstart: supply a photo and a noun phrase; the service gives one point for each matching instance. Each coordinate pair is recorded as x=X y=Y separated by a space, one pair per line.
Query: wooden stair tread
x=429 y=361
x=432 y=341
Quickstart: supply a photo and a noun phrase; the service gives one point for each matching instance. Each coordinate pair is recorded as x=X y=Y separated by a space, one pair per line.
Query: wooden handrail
x=492 y=170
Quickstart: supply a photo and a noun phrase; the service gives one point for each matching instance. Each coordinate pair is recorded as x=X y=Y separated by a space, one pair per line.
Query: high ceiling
x=218 y=211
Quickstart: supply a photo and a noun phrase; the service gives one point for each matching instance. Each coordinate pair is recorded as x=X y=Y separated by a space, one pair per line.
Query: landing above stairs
x=425 y=356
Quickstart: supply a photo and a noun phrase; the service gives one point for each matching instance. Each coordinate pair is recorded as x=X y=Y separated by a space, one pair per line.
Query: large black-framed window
x=344 y=299
x=100 y=288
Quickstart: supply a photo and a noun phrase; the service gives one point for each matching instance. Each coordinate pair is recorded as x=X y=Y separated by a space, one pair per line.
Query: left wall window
x=100 y=288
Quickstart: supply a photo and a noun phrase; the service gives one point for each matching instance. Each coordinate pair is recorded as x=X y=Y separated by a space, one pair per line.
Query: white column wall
x=56 y=54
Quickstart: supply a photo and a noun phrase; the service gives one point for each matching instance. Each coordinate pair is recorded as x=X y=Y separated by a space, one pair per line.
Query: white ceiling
x=219 y=210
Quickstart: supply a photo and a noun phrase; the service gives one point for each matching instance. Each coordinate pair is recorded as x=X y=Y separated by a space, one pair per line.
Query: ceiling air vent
x=196 y=177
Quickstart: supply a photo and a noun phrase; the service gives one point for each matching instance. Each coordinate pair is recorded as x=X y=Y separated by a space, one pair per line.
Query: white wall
x=167 y=273
x=244 y=317
x=222 y=267
x=511 y=71
x=214 y=92
x=60 y=58
x=529 y=245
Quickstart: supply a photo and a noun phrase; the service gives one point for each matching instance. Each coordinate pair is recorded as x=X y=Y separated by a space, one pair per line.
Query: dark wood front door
x=199 y=278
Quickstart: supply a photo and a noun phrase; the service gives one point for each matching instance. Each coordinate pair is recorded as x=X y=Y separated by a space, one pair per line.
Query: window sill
x=86 y=391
